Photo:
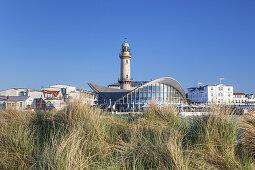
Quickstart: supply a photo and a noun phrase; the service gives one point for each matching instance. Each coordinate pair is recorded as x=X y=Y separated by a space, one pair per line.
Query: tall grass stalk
x=248 y=133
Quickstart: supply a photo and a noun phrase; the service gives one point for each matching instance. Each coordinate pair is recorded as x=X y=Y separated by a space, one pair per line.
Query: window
x=126 y=61
x=211 y=88
x=212 y=94
x=126 y=76
x=20 y=104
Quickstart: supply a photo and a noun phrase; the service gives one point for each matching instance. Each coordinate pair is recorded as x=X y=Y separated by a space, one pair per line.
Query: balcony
x=125 y=79
x=120 y=54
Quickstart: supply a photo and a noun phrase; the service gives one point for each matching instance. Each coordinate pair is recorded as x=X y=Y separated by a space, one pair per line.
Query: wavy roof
x=109 y=93
x=169 y=81
x=115 y=94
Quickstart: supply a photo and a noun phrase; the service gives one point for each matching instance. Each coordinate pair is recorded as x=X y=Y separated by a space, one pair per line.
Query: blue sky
x=47 y=42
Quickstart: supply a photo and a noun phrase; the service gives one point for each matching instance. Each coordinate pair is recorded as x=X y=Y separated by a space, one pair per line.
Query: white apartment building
x=239 y=98
x=35 y=94
x=65 y=89
x=83 y=96
x=14 y=92
x=214 y=94
x=57 y=104
x=250 y=97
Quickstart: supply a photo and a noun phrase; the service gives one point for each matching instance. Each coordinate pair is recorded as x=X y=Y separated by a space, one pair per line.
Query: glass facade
x=160 y=93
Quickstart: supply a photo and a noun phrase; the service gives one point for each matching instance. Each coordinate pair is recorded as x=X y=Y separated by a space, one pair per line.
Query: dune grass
x=83 y=137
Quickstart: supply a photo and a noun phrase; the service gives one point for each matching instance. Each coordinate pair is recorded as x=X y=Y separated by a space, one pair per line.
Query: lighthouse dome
x=125 y=46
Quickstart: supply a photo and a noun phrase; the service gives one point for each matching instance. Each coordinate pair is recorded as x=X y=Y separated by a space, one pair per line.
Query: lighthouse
x=125 y=56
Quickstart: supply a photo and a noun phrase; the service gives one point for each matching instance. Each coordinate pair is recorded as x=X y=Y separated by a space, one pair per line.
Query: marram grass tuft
x=84 y=137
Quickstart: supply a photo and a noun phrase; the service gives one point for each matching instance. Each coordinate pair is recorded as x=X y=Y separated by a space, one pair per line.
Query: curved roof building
x=164 y=90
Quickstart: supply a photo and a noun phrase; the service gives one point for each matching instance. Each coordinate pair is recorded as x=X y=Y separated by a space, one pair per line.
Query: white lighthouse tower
x=125 y=56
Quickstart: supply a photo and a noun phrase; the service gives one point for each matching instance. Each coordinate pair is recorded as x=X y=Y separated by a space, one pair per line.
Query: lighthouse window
x=126 y=61
x=126 y=76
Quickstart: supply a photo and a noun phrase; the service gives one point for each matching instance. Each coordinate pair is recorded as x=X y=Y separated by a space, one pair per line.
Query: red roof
x=238 y=93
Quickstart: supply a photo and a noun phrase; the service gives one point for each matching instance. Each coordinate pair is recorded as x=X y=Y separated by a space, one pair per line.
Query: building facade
x=163 y=91
x=14 y=92
x=84 y=97
x=213 y=94
x=65 y=89
x=239 y=98
x=250 y=97
x=53 y=92
x=16 y=102
x=54 y=97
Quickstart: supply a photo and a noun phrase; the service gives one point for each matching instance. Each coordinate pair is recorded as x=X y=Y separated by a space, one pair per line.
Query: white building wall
x=55 y=104
x=69 y=89
x=84 y=97
x=19 y=105
x=250 y=97
x=14 y=92
x=240 y=99
x=35 y=94
x=217 y=94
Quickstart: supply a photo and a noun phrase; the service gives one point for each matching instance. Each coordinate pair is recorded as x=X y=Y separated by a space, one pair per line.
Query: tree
x=188 y=100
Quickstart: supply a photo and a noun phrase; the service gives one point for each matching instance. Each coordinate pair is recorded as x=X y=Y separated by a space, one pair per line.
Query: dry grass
x=83 y=137
x=214 y=140
x=248 y=133
x=16 y=142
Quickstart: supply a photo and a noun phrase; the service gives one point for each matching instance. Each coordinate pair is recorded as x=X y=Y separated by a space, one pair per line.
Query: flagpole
x=221 y=79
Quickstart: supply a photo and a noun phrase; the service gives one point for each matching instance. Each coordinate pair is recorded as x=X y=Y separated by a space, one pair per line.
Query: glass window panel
x=165 y=93
x=141 y=95
x=154 y=87
x=133 y=97
x=129 y=98
x=158 y=93
x=149 y=93
x=169 y=95
x=137 y=96
x=153 y=92
x=161 y=93
x=145 y=95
